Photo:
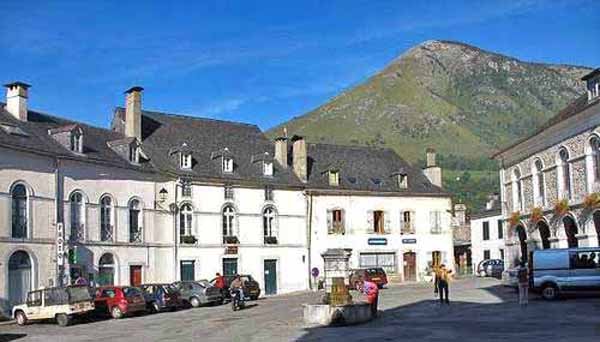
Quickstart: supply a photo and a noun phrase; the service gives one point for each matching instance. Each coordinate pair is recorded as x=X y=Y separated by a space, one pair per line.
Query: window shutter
x=343 y=213
x=387 y=222
x=370 y=227
x=432 y=220
x=329 y=221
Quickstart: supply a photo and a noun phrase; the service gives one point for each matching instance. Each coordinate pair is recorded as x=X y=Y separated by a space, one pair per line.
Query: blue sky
x=261 y=62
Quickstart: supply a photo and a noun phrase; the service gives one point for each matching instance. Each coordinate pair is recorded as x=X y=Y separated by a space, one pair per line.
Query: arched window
x=595 y=153
x=77 y=216
x=540 y=189
x=517 y=190
x=564 y=173
x=135 y=224
x=106 y=219
x=106 y=270
x=185 y=221
x=19 y=212
x=228 y=223
x=227 y=164
x=270 y=225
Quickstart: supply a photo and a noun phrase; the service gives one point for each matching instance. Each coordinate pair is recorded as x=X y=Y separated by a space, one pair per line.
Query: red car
x=119 y=301
x=376 y=275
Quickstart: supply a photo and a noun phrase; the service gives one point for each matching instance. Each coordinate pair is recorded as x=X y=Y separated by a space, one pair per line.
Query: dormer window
x=402 y=181
x=227 y=164
x=185 y=160
x=134 y=153
x=70 y=137
x=593 y=84
x=267 y=168
x=334 y=178
x=76 y=142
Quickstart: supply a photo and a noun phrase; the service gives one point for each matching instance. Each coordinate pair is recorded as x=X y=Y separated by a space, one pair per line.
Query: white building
x=487 y=234
x=163 y=197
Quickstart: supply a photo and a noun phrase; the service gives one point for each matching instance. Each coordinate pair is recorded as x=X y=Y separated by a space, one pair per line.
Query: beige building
x=550 y=181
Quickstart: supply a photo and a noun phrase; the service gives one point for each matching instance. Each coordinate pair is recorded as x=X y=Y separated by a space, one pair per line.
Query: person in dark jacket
x=444 y=278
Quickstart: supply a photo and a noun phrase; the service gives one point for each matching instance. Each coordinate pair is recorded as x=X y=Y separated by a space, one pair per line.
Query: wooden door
x=410 y=266
x=135 y=275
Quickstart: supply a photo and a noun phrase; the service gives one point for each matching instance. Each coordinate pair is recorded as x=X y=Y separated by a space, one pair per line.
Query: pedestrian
x=444 y=278
x=436 y=279
x=219 y=282
x=371 y=290
x=523 y=277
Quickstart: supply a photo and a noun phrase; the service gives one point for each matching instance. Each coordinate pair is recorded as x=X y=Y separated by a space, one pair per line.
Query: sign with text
x=377 y=241
x=231 y=250
x=60 y=244
x=409 y=240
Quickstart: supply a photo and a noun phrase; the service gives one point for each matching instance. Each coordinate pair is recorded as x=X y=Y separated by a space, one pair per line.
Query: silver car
x=555 y=271
x=198 y=293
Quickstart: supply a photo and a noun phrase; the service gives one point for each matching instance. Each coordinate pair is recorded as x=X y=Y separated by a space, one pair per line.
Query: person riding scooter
x=237 y=291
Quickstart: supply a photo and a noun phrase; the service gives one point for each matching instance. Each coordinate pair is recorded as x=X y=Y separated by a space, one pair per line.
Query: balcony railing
x=135 y=236
x=230 y=240
x=407 y=227
x=106 y=234
x=77 y=232
x=188 y=239
x=337 y=228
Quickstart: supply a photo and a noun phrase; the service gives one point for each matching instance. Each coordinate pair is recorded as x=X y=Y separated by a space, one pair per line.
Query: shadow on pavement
x=499 y=319
x=11 y=337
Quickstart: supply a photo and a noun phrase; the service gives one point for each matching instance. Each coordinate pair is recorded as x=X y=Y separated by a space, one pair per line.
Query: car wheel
x=549 y=292
x=482 y=274
x=195 y=302
x=116 y=313
x=21 y=318
x=63 y=319
x=155 y=307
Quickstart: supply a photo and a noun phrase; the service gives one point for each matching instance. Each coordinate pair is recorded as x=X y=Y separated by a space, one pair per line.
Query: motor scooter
x=237 y=300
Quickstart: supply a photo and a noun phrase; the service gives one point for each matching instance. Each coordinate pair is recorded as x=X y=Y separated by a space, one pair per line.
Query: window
x=76 y=142
x=486 y=230
x=406 y=224
x=106 y=219
x=334 y=178
x=586 y=260
x=77 y=216
x=185 y=160
x=387 y=261
x=486 y=254
x=106 y=270
x=185 y=223
x=540 y=190
x=34 y=298
x=517 y=190
x=228 y=224
x=595 y=151
x=268 y=168
x=335 y=222
x=500 y=229
x=269 y=226
x=501 y=253
x=378 y=222
x=402 y=181
x=134 y=153
x=435 y=218
x=135 y=224
x=227 y=164
x=268 y=193
x=564 y=173
x=19 y=212
x=228 y=192
x=188 y=270
x=186 y=189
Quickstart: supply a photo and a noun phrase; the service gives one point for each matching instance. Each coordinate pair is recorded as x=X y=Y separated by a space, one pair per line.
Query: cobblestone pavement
x=481 y=310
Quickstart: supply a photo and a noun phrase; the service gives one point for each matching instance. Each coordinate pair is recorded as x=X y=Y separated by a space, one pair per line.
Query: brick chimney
x=300 y=158
x=133 y=113
x=432 y=171
x=16 y=99
x=281 y=151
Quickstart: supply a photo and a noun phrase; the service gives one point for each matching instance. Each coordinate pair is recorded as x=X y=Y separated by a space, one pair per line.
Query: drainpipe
x=58 y=204
x=309 y=210
x=175 y=241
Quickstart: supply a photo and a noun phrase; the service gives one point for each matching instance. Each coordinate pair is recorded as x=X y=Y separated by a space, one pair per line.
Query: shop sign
x=60 y=244
x=409 y=240
x=377 y=241
x=231 y=250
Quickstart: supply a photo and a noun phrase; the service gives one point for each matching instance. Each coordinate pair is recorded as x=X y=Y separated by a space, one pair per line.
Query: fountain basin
x=348 y=314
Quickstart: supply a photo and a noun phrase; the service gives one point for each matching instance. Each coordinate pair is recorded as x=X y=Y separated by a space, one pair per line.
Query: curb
x=9 y=322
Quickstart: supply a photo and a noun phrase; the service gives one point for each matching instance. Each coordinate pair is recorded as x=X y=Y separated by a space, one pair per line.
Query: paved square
x=481 y=310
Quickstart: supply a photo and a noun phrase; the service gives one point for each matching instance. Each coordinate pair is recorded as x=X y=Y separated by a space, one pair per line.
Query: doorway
x=270 y=277
x=230 y=266
x=19 y=277
x=188 y=270
x=135 y=275
x=410 y=266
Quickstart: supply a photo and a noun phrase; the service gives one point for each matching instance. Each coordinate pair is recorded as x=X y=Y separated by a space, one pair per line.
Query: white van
x=60 y=303
x=553 y=271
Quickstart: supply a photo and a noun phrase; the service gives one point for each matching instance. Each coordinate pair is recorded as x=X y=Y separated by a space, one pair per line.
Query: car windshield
x=131 y=291
x=78 y=294
x=373 y=271
x=204 y=283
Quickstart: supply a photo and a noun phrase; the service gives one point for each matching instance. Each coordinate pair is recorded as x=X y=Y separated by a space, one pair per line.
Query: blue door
x=270 y=277
x=230 y=266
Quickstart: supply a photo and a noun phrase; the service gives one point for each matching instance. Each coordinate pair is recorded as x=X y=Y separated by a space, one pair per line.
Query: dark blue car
x=161 y=297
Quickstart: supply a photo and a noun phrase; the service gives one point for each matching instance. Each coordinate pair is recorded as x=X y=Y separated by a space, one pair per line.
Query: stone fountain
x=337 y=307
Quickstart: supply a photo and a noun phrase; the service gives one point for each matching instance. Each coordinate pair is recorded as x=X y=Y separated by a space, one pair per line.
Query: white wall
x=479 y=245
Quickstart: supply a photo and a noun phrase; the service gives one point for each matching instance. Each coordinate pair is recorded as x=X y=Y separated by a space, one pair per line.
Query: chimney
x=493 y=200
x=299 y=158
x=281 y=151
x=16 y=99
x=460 y=213
x=133 y=113
x=432 y=171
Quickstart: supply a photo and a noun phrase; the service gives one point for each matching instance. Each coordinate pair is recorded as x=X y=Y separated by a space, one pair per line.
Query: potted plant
x=561 y=207
x=536 y=214
x=270 y=240
x=230 y=240
x=592 y=201
x=189 y=239
x=514 y=218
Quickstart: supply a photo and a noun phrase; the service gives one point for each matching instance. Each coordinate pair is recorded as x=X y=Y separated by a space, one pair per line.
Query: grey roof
x=364 y=168
x=37 y=139
x=164 y=133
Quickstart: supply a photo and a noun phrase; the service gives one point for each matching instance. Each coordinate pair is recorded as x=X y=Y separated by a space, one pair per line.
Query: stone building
x=550 y=181
x=161 y=197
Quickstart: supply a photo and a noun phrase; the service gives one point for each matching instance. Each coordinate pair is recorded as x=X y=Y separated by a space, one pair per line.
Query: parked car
x=556 y=271
x=250 y=286
x=376 y=275
x=490 y=268
x=509 y=277
x=119 y=301
x=197 y=293
x=59 y=303
x=161 y=297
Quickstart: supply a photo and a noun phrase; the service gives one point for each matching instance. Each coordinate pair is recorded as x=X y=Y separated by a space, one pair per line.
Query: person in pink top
x=371 y=290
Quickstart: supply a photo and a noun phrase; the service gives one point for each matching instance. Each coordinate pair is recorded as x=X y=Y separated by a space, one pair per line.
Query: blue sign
x=377 y=241
x=409 y=240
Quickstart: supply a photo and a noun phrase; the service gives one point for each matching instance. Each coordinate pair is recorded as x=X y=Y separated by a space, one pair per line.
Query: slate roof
x=163 y=134
x=95 y=140
x=364 y=168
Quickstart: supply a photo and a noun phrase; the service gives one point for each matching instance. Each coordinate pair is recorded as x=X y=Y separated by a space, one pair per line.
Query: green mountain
x=463 y=101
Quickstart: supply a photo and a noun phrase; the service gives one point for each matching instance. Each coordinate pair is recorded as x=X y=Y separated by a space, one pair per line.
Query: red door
x=410 y=266
x=135 y=275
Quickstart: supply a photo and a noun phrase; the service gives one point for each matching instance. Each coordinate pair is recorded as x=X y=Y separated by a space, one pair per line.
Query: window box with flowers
x=536 y=215
x=270 y=240
x=188 y=239
x=592 y=201
x=561 y=207
x=230 y=240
